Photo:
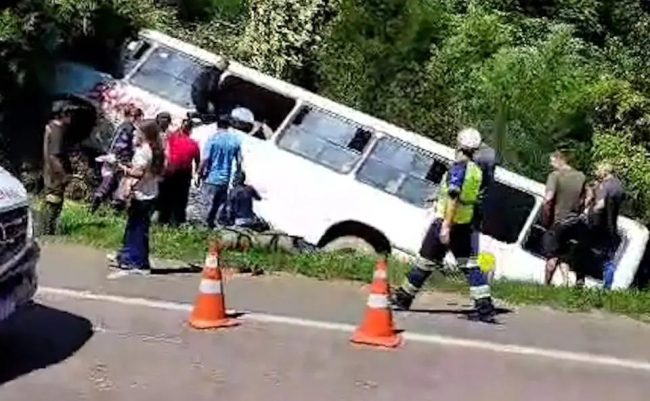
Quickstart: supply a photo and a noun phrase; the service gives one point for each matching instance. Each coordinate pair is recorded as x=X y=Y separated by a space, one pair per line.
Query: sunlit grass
x=189 y=244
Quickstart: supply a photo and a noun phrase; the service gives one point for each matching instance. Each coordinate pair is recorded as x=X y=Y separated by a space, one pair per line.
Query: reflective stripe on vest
x=469 y=195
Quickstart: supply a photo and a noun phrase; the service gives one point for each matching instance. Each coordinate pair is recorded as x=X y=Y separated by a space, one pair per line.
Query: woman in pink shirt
x=183 y=156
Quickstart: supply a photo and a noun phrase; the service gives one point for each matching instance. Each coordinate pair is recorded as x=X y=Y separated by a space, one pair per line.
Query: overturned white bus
x=331 y=174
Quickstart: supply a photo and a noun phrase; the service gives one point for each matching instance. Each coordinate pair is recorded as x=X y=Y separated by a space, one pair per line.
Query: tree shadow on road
x=38 y=337
x=456 y=311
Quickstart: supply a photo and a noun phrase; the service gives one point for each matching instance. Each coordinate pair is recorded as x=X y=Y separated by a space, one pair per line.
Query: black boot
x=484 y=311
x=94 y=205
x=51 y=217
x=401 y=300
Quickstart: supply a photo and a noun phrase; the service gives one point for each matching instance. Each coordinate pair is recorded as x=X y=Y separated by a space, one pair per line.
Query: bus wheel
x=350 y=244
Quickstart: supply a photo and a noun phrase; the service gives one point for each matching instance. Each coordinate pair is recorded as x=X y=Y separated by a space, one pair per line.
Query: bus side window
x=325 y=138
x=505 y=212
x=268 y=107
x=403 y=170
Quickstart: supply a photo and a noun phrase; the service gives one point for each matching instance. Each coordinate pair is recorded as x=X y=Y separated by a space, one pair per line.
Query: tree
x=282 y=36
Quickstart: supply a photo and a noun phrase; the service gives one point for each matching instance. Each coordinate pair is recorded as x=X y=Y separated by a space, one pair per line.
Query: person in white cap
x=452 y=230
x=222 y=152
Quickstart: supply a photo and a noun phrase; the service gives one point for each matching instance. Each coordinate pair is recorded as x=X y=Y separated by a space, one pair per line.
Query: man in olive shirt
x=56 y=164
x=564 y=190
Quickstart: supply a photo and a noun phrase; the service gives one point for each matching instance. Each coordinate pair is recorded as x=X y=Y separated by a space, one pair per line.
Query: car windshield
x=168 y=74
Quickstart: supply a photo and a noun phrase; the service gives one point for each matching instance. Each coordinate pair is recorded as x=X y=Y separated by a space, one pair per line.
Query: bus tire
x=350 y=243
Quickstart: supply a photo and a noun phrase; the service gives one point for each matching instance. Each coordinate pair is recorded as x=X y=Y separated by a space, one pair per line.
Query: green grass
x=189 y=244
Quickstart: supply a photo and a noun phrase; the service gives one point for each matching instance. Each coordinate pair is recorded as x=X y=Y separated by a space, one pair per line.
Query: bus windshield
x=168 y=74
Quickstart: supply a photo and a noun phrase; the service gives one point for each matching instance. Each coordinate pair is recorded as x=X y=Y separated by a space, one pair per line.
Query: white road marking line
x=585 y=358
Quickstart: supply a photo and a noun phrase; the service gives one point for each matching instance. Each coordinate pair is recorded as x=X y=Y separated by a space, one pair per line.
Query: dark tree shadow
x=466 y=312
x=190 y=269
x=38 y=337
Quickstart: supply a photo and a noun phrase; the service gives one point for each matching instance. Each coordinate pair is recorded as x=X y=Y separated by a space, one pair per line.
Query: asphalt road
x=89 y=337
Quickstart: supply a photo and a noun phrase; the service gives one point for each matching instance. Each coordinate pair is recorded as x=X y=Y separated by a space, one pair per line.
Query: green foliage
x=282 y=35
x=531 y=75
x=546 y=93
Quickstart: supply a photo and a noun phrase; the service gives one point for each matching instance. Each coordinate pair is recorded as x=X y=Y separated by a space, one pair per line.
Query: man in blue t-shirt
x=222 y=151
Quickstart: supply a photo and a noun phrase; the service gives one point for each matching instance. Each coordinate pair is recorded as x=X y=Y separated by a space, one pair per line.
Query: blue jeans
x=217 y=196
x=609 y=268
x=135 y=249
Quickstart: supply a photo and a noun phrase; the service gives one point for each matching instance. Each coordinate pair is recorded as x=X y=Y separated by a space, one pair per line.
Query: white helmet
x=469 y=139
x=243 y=114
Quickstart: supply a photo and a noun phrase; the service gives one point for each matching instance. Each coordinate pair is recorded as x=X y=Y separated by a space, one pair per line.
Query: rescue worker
x=57 y=168
x=452 y=230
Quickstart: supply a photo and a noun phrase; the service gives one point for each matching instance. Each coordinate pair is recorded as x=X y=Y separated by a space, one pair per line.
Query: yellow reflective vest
x=469 y=195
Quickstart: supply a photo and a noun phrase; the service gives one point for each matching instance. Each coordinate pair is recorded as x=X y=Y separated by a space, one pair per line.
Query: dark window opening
x=505 y=212
x=268 y=107
x=360 y=140
x=132 y=52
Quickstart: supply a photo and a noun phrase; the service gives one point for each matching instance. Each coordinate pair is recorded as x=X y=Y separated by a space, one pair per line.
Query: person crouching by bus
x=182 y=153
x=222 y=151
x=240 y=205
x=144 y=172
x=122 y=148
x=452 y=230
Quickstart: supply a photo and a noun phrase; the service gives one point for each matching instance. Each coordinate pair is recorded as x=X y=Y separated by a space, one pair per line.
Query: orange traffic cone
x=377 y=328
x=210 y=307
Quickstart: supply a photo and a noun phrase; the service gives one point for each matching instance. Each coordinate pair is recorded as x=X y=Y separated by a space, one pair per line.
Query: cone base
x=213 y=324
x=389 y=342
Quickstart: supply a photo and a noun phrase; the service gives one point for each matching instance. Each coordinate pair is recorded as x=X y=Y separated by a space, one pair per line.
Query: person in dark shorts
x=57 y=168
x=452 y=230
x=562 y=204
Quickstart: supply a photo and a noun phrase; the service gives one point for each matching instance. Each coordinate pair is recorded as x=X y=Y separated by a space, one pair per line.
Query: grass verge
x=189 y=244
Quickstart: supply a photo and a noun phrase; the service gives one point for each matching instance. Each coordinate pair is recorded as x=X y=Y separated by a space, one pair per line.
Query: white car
x=19 y=250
